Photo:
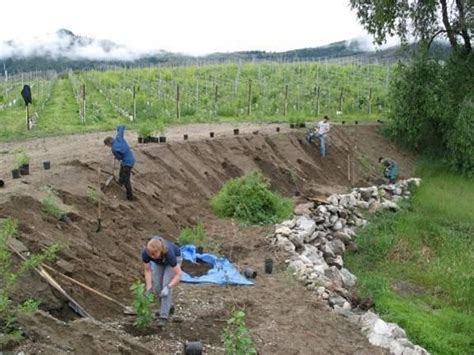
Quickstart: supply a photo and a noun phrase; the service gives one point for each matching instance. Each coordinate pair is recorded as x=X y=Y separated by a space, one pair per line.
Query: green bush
x=51 y=205
x=237 y=340
x=142 y=305
x=249 y=200
x=193 y=235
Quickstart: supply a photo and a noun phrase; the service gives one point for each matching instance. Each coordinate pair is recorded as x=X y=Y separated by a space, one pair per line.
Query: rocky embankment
x=316 y=240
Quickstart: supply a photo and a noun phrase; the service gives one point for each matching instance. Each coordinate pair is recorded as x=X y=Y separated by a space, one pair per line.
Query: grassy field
x=260 y=92
x=418 y=264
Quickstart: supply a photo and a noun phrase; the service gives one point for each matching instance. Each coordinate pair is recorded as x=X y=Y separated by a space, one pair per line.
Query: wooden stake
x=27 y=118
x=341 y=98
x=285 y=107
x=83 y=103
x=318 y=95
x=134 y=104
x=349 y=167
x=369 y=101
x=178 y=111
x=249 y=104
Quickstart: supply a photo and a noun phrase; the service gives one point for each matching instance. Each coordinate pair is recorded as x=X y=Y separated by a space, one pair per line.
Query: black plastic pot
x=2 y=183
x=250 y=273
x=268 y=265
x=162 y=139
x=193 y=348
x=46 y=165
x=199 y=250
x=356 y=122
x=155 y=139
x=185 y=137
x=64 y=218
x=25 y=169
x=343 y=122
x=146 y=139
x=236 y=131
x=278 y=129
x=16 y=173
x=292 y=125
x=140 y=139
x=211 y=134
x=302 y=125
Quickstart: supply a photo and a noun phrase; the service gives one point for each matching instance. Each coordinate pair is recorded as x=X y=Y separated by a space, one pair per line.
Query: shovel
x=99 y=214
x=110 y=178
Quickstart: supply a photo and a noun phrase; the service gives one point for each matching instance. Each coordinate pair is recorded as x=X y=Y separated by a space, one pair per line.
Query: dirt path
x=173 y=183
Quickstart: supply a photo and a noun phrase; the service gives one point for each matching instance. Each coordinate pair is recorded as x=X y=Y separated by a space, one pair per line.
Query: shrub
x=237 y=340
x=249 y=199
x=142 y=304
x=22 y=158
x=193 y=235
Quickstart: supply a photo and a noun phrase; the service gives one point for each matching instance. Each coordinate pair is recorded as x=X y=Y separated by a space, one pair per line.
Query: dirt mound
x=173 y=183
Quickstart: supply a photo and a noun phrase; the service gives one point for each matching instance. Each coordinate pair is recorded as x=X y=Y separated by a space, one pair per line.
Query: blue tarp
x=221 y=273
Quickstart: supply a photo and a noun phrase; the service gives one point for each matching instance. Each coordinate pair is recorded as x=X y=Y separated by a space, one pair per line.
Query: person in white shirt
x=321 y=132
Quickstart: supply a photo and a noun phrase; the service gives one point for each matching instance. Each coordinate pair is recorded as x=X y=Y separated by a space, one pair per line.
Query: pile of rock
x=319 y=235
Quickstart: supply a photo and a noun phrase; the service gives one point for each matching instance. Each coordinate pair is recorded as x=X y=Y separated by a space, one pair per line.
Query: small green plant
x=142 y=304
x=51 y=204
x=249 y=199
x=145 y=129
x=92 y=196
x=237 y=340
x=193 y=235
x=9 y=277
x=22 y=158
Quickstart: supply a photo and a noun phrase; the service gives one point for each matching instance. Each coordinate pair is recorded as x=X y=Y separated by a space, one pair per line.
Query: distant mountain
x=65 y=50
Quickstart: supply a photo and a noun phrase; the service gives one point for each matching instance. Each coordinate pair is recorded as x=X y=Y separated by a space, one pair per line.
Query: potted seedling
x=161 y=129
x=236 y=131
x=144 y=132
x=292 y=122
x=23 y=163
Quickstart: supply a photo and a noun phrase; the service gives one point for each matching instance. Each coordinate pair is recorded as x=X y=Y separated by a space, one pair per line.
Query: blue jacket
x=121 y=150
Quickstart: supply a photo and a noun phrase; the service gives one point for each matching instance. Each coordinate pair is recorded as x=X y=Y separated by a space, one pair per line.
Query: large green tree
x=421 y=19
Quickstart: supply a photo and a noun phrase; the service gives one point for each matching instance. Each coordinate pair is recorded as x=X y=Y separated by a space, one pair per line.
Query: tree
x=422 y=19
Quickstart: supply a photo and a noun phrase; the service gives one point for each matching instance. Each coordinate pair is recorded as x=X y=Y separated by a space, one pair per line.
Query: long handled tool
x=99 y=216
x=50 y=280
x=111 y=177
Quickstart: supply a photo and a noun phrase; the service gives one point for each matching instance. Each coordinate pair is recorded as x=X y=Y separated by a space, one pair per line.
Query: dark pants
x=124 y=179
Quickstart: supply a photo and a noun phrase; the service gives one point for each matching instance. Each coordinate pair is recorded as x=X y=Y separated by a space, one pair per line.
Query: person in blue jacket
x=124 y=154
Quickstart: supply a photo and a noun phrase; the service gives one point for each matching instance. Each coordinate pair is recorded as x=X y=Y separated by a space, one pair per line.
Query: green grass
x=109 y=96
x=418 y=263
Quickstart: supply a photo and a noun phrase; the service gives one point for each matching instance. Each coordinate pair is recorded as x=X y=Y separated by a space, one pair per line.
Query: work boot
x=161 y=322
x=132 y=198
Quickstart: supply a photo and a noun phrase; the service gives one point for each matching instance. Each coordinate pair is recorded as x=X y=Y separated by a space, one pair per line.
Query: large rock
x=336 y=261
x=337 y=246
x=333 y=274
x=389 y=205
x=333 y=200
x=338 y=225
x=283 y=230
x=336 y=301
x=305 y=227
x=348 y=279
x=304 y=209
x=284 y=244
x=313 y=254
x=342 y=236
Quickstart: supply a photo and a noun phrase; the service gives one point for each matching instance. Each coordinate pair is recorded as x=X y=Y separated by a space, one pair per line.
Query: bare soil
x=173 y=183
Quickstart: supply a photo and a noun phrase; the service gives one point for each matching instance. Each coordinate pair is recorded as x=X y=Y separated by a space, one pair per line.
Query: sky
x=187 y=26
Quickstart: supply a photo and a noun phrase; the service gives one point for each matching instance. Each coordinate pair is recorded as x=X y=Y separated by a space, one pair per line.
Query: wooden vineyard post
x=178 y=111
x=27 y=118
x=285 y=107
x=341 y=98
x=216 y=96
x=369 y=101
x=249 y=103
x=318 y=95
x=134 y=117
x=349 y=177
x=83 y=104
